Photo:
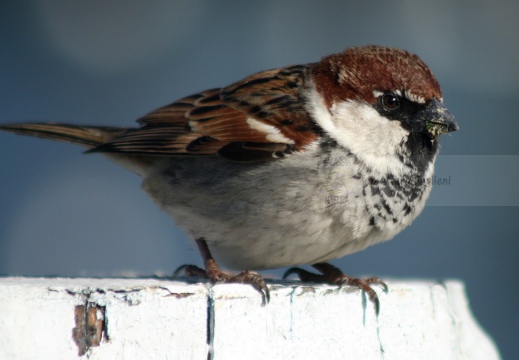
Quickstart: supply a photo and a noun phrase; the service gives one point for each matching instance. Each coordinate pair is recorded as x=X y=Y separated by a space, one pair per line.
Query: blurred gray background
x=110 y=62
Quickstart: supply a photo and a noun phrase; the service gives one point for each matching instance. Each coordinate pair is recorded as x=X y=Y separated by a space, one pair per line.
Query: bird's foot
x=218 y=276
x=214 y=274
x=334 y=276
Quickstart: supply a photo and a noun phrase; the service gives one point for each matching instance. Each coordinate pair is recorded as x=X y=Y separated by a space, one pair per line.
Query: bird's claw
x=332 y=275
x=218 y=276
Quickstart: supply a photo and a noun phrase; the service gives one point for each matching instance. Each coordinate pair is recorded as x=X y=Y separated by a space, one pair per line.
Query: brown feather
x=90 y=136
x=209 y=122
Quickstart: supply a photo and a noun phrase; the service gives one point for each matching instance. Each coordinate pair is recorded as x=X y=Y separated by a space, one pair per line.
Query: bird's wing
x=261 y=117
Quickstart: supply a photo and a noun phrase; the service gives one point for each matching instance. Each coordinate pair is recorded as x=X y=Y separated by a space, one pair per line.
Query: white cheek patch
x=365 y=131
x=271 y=132
x=374 y=139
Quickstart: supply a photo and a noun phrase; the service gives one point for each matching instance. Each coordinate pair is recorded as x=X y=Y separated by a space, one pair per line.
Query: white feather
x=372 y=138
x=272 y=133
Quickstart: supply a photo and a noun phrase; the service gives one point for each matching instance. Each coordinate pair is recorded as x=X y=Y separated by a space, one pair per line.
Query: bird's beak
x=438 y=120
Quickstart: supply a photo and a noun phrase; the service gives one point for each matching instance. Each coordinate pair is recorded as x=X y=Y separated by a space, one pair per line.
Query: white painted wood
x=146 y=319
x=160 y=319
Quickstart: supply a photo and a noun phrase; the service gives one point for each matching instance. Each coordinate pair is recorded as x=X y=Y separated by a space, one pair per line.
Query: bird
x=287 y=167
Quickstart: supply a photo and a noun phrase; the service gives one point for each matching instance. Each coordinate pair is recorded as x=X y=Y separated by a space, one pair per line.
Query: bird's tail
x=89 y=136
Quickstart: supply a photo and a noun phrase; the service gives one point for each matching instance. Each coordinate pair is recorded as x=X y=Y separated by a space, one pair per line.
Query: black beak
x=438 y=120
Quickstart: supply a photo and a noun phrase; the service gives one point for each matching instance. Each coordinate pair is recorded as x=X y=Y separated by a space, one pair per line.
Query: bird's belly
x=257 y=217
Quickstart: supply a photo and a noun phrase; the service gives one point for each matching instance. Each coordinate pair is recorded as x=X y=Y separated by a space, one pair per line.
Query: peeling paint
x=90 y=326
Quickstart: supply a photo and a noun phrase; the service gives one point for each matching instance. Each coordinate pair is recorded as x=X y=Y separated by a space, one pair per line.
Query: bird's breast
x=299 y=210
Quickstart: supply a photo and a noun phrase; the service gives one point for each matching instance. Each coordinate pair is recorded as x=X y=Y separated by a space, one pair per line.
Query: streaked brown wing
x=261 y=117
x=274 y=97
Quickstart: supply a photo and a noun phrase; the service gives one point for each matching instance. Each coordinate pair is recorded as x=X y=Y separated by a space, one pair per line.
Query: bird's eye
x=389 y=101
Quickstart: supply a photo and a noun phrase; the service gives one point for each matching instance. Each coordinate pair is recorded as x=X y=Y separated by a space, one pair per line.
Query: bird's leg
x=334 y=276
x=216 y=275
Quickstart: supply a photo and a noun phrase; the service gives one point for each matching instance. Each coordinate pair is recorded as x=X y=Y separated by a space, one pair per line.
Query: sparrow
x=292 y=166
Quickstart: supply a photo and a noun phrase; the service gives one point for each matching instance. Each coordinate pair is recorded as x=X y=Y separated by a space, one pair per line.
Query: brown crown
x=359 y=71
